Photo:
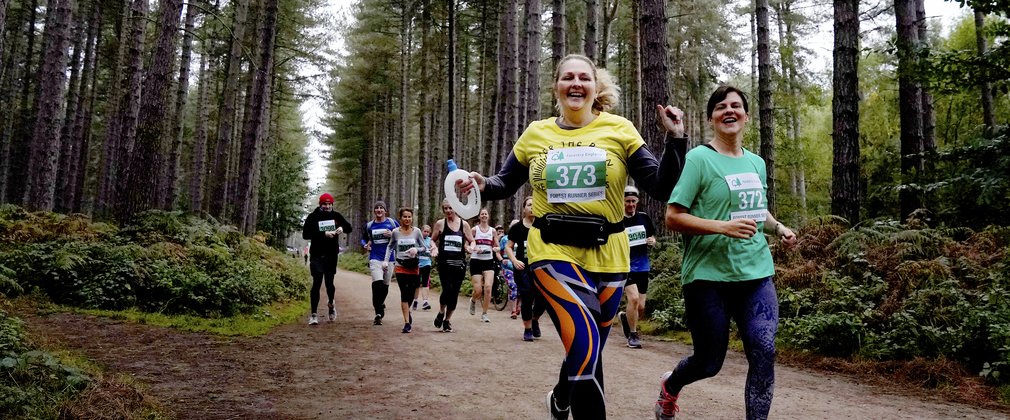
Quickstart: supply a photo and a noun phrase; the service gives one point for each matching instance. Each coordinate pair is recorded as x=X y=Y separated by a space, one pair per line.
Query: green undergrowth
x=248 y=325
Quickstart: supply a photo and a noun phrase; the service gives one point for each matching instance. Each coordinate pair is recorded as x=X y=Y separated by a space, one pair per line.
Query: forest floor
x=352 y=369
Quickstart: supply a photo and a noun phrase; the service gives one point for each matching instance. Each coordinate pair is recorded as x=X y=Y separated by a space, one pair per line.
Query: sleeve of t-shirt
x=688 y=186
x=631 y=137
x=514 y=230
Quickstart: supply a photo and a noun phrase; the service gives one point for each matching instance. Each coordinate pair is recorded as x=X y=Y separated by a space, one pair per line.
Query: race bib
x=748 y=197
x=379 y=236
x=636 y=235
x=452 y=243
x=327 y=225
x=403 y=245
x=576 y=174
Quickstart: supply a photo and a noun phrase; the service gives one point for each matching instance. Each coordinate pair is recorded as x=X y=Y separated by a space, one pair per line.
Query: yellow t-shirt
x=565 y=168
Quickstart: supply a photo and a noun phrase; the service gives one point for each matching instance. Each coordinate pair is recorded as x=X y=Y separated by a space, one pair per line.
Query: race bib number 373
x=576 y=174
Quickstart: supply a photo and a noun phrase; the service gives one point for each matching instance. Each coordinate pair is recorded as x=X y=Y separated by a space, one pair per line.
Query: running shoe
x=556 y=413
x=413 y=307
x=624 y=324
x=332 y=314
x=426 y=306
x=378 y=320
x=473 y=307
x=446 y=326
x=313 y=319
x=527 y=335
x=438 y=319
x=666 y=404
x=406 y=328
x=536 y=329
x=635 y=341
x=483 y=317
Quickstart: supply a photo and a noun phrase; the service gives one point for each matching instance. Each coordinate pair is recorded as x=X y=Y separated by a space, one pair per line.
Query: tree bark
x=82 y=126
x=170 y=175
x=654 y=81
x=199 y=171
x=592 y=20
x=635 y=63
x=507 y=69
x=45 y=148
x=226 y=116
x=845 y=184
x=69 y=145
x=113 y=127
x=129 y=108
x=143 y=190
x=609 y=15
x=766 y=109
x=988 y=117
x=909 y=106
x=252 y=132
x=21 y=141
x=558 y=41
x=533 y=10
x=451 y=80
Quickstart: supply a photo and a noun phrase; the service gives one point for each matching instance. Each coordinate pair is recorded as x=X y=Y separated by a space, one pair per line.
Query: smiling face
x=729 y=116
x=630 y=205
x=484 y=216
x=380 y=212
x=450 y=214
x=575 y=85
x=406 y=218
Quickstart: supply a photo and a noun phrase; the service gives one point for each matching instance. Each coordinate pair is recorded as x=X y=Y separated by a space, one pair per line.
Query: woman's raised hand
x=672 y=119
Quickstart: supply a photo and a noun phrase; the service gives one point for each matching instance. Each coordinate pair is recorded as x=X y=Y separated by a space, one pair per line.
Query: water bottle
x=472 y=206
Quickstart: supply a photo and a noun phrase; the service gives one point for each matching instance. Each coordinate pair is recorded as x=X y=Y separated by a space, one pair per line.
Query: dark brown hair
x=720 y=94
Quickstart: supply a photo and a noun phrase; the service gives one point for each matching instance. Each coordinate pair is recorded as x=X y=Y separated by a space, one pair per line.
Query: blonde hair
x=608 y=94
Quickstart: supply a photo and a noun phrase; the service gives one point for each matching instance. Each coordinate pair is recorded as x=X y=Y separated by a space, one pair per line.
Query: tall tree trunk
x=45 y=148
x=928 y=119
x=753 y=48
x=21 y=141
x=451 y=79
x=130 y=107
x=69 y=145
x=170 y=175
x=609 y=15
x=558 y=24
x=226 y=116
x=533 y=10
x=635 y=63
x=654 y=81
x=767 y=109
x=592 y=20
x=909 y=105
x=142 y=180
x=988 y=117
x=9 y=83
x=507 y=69
x=845 y=184
x=82 y=125
x=253 y=130
x=118 y=99
x=199 y=171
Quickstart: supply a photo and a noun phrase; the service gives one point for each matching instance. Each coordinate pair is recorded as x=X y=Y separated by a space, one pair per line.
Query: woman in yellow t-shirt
x=578 y=164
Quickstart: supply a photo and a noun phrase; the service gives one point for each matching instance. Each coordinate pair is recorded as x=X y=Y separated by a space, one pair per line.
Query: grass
x=249 y=325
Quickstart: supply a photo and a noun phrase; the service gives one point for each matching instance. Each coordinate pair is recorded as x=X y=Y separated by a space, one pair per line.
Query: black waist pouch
x=583 y=231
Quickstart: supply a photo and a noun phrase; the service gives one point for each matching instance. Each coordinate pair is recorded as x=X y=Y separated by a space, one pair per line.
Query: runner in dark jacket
x=323 y=227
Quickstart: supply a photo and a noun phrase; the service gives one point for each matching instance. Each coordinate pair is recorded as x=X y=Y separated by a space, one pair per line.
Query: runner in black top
x=452 y=236
x=323 y=227
x=529 y=297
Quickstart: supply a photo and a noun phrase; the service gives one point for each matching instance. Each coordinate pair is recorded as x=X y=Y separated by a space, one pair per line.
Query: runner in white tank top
x=482 y=258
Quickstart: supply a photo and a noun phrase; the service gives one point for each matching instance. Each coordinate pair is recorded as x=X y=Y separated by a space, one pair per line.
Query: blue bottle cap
x=451 y=165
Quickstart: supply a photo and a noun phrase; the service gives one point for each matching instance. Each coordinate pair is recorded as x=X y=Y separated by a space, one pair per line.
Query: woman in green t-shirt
x=720 y=206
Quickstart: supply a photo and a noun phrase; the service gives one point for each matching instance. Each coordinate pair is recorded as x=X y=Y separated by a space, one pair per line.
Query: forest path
x=352 y=369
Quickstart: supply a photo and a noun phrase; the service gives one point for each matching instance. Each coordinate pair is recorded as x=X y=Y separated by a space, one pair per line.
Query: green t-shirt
x=718 y=187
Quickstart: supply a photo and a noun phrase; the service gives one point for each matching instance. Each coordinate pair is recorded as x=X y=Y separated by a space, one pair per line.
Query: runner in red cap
x=323 y=228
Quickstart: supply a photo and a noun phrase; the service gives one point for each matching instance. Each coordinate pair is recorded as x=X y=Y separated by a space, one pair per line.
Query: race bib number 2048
x=576 y=174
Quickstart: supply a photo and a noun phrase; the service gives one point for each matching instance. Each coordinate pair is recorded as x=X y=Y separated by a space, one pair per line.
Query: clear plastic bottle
x=472 y=206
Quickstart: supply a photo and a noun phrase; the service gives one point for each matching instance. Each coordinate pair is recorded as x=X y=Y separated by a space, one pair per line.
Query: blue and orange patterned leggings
x=582 y=305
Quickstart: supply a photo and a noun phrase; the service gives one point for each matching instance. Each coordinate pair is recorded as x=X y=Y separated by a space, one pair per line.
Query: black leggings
x=532 y=304
x=451 y=275
x=408 y=285
x=379 y=292
x=322 y=269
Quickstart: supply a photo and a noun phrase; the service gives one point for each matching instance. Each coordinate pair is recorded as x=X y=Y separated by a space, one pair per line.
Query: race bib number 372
x=576 y=174
x=748 y=195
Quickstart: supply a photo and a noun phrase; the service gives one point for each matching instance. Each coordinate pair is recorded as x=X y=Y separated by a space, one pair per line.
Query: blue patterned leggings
x=709 y=306
x=582 y=305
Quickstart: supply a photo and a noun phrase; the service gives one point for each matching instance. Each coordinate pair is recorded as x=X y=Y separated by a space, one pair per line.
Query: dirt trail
x=351 y=369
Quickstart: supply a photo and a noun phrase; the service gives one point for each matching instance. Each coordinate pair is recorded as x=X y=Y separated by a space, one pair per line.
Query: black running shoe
x=556 y=413
x=378 y=320
x=536 y=329
x=438 y=320
x=446 y=326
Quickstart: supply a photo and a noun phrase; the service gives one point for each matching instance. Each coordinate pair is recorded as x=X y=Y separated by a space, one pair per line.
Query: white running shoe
x=473 y=307
x=484 y=318
x=313 y=319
